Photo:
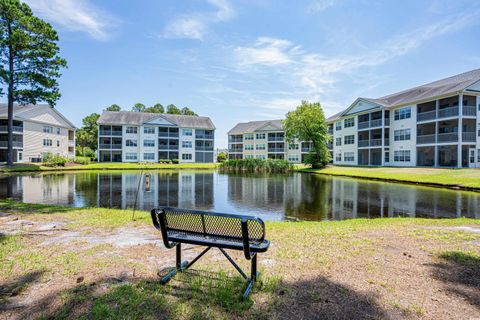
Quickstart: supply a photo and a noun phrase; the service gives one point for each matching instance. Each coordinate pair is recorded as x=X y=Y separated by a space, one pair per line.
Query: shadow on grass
x=200 y=296
x=13 y=206
x=16 y=287
x=460 y=271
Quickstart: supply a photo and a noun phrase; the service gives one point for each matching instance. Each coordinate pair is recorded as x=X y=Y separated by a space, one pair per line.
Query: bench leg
x=179 y=265
x=253 y=277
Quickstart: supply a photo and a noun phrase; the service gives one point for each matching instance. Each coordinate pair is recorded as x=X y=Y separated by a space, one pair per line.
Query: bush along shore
x=256 y=166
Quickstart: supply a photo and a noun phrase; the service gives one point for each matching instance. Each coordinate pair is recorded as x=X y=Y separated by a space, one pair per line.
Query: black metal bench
x=210 y=229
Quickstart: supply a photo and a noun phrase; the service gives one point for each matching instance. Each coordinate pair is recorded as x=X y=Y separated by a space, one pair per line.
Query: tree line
x=156 y=108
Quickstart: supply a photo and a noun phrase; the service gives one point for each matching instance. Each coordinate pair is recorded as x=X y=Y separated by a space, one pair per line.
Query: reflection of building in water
x=183 y=189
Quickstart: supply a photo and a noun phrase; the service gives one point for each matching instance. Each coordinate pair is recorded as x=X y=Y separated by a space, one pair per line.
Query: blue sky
x=254 y=59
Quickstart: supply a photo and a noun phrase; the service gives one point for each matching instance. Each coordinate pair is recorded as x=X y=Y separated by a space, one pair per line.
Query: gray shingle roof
x=450 y=85
x=21 y=111
x=139 y=118
x=252 y=126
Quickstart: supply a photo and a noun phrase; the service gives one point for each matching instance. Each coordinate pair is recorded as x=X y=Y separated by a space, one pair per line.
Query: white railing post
x=460 y=131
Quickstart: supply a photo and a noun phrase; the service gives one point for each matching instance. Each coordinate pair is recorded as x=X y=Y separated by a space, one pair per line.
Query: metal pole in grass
x=136 y=195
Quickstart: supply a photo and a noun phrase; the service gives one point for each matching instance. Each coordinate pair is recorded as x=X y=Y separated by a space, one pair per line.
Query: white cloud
x=320 y=5
x=266 y=51
x=75 y=15
x=196 y=25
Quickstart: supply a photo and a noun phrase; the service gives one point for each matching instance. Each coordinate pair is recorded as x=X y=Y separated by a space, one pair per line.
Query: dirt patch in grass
x=54 y=267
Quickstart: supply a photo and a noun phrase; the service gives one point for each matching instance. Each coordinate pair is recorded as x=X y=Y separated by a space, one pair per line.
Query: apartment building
x=37 y=129
x=432 y=125
x=262 y=140
x=126 y=136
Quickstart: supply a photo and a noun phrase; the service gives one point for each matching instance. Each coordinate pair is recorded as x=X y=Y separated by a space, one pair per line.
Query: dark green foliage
x=29 y=59
x=139 y=107
x=113 y=107
x=87 y=135
x=256 y=165
x=82 y=160
x=221 y=157
x=173 y=109
x=53 y=160
x=157 y=108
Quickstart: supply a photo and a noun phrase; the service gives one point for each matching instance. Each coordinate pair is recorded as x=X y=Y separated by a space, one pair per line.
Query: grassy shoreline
x=467 y=179
x=61 y=262
x=31 y=167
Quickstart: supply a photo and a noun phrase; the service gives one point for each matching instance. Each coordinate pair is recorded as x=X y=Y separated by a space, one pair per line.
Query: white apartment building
x=37 y=129
x=264 y=140
x=432 y=125
x=126 y=136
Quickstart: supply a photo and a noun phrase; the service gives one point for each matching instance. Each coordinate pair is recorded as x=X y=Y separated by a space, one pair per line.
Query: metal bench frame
x=159 y=218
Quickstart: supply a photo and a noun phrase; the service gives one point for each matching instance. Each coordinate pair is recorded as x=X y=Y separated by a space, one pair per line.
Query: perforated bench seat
x=211 y=229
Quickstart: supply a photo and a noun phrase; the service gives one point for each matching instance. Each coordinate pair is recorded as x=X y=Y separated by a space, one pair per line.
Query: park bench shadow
x=460 y=272
x=309 y=299
x=17 y=286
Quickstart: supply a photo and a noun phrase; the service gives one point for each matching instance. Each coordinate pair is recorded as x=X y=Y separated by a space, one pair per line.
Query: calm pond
x=273 y=197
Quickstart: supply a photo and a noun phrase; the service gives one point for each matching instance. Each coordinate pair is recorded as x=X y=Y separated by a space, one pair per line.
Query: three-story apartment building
x=262 y=140
x=432 y=125
x=126 y=136
x=37 y=130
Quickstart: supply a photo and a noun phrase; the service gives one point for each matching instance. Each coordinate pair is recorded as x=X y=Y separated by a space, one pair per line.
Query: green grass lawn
x=31 y=167
x=399 y=268
x=462 y=178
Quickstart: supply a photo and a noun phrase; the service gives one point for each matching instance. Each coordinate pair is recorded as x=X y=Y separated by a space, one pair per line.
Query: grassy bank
x=65 y=263
x=253 y=165
x=456 y=178
x=31 y=167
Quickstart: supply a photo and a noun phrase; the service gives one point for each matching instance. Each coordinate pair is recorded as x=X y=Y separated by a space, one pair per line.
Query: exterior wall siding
x=33 y=137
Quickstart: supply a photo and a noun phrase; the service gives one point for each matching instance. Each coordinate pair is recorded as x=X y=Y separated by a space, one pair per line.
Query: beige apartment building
x=37 y=130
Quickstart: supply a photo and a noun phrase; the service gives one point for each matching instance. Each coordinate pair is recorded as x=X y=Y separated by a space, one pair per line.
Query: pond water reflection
x=273 y=197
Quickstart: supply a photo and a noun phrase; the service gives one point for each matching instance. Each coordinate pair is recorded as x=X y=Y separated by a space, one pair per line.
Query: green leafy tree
x=221 y=157
x=157 y=108
x=87 y=135
x=139 y=107
x=186 y=111
x=307 y=123
x=173 y=109
x=113 y=107
x=29 y=60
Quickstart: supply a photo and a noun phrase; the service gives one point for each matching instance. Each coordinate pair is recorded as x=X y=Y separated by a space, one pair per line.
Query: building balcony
x=16 y=144
x=17 y=129
x=168 y=135
x=469 y=137
x=329 y=146
x=448 y=112
x=363 y=143
x=425 y=116
x=375 y=142
x=425 y=139
x=203 y=148
x=110 y=146
x=469 y=111
x=375 y=123
x=306 y=149
x=168 y=147
x=363 y=125
x=276 y=138
x=387 y=121
x=235 y=140
x=110 y=133
x=447 y=137
x=204 y=136
x=276 y=149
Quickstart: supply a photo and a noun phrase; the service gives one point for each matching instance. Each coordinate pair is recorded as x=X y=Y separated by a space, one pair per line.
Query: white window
x=261 y=136
x=248 y=147
x=186 y=156
x=58 y=130
x=260 y=146
x=403 y=113
x=131 y=130
x=149 y=143
x=47 y=142
x=401 y=135
x=187 y=132
x=350 y=122
x=293 y=158
x=131 y=143
x=348 y=156
x=401 y=156
x=248 y=136
x=338 y=126
x=149 y=156
x=349 y=139
x=249 y=156
x=47 y=129
x=149 y=130
x=293 y=146
x=338 y=141
x=338 y=157
x=131 y=156
x=186 y=144
x=261 y=156
x=58 y=143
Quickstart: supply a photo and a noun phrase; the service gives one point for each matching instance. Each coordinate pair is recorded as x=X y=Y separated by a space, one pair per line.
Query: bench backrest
x=208 y=224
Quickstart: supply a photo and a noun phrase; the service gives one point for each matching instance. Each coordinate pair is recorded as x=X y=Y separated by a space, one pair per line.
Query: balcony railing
x=275 y=138
x=425 y=116
x=204 y=136
x=235 y=140
x=375 y=142
x=203 y=148
x=117 y=146
x=110 y=133
x=15 y=129
x=448 y=112
x=363 y=125
x=363 y=143
x=306 y=149
x=276 y=149
x=447 y=137
x=235 y=150
x=329 y=146
x=168 y=147
x=16 y=144
x=168 y=135
x=387 y=121
x=468 y=137
x=469 y=111
x=427 y=138
x=386 y=142
x=376 y=123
